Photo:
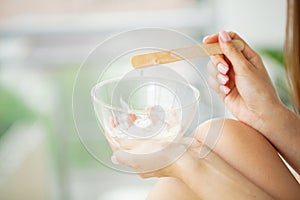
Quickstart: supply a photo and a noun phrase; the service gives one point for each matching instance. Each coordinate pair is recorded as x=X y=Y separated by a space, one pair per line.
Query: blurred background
x=43 y=43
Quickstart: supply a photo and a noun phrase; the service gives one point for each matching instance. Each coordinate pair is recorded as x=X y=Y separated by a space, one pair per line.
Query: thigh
x=171 y=188
x=251 y=154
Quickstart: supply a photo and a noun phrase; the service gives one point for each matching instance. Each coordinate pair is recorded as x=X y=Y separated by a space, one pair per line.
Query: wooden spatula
x=163 y=57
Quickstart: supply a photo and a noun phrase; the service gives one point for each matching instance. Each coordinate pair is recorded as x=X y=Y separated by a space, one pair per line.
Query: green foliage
x=277 y=55
x=274 y=53
x=12 y=109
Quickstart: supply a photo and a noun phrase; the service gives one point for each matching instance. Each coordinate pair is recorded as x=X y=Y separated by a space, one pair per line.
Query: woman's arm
x=209 y=178
x=282 y=128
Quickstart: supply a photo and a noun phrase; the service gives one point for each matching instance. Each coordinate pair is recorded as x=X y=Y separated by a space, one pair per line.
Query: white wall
x=260 y=22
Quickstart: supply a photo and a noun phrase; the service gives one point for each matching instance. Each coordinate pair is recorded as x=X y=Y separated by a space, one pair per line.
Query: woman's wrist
x=279 y=118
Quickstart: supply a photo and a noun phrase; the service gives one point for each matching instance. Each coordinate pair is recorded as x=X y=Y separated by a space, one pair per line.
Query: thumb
x=235 y=56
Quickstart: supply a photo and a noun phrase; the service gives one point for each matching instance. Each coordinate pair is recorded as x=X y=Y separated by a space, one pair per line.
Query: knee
x=229 y=131
x=217 y=128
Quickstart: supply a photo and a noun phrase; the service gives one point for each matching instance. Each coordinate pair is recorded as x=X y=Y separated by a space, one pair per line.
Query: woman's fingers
x=248 y=54
x=221 y=90
x=222 y=73
x=146 y=159
x=219 y=72
x=222 y=66
x=152 y=156
x=223 y=79
x=211 y=38
x=220 y=63
x=219 y=80
x=236 y=57
x=243 y=61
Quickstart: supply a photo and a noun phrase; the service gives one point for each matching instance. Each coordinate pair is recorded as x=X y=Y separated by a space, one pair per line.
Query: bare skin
x=195 y=178
x=244 y=164
x=250 y=96
x=247 y=152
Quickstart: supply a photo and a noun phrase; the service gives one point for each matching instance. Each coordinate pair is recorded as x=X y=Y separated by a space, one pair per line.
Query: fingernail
x=222 y=68
x=114 y=159
x=205 y=38
x=222 y=79
x=224 y=89
x=224 y=36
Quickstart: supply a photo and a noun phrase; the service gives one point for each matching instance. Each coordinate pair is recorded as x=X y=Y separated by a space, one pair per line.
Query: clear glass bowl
x=135 y=110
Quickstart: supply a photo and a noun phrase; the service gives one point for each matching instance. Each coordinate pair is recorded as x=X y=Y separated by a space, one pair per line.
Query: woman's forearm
x=213 y=178
x=282 y=129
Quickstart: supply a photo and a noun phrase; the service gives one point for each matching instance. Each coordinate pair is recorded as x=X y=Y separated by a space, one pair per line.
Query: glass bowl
x=136 y=110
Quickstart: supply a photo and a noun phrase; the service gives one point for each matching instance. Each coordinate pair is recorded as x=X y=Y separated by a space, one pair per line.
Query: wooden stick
x=163 y=57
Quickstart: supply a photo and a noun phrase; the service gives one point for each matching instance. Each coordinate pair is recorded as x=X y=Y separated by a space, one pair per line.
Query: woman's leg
x=251 y=154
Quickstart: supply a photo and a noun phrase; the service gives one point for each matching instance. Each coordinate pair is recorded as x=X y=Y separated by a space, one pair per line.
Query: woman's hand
x=159 y=159
x=242 y=80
